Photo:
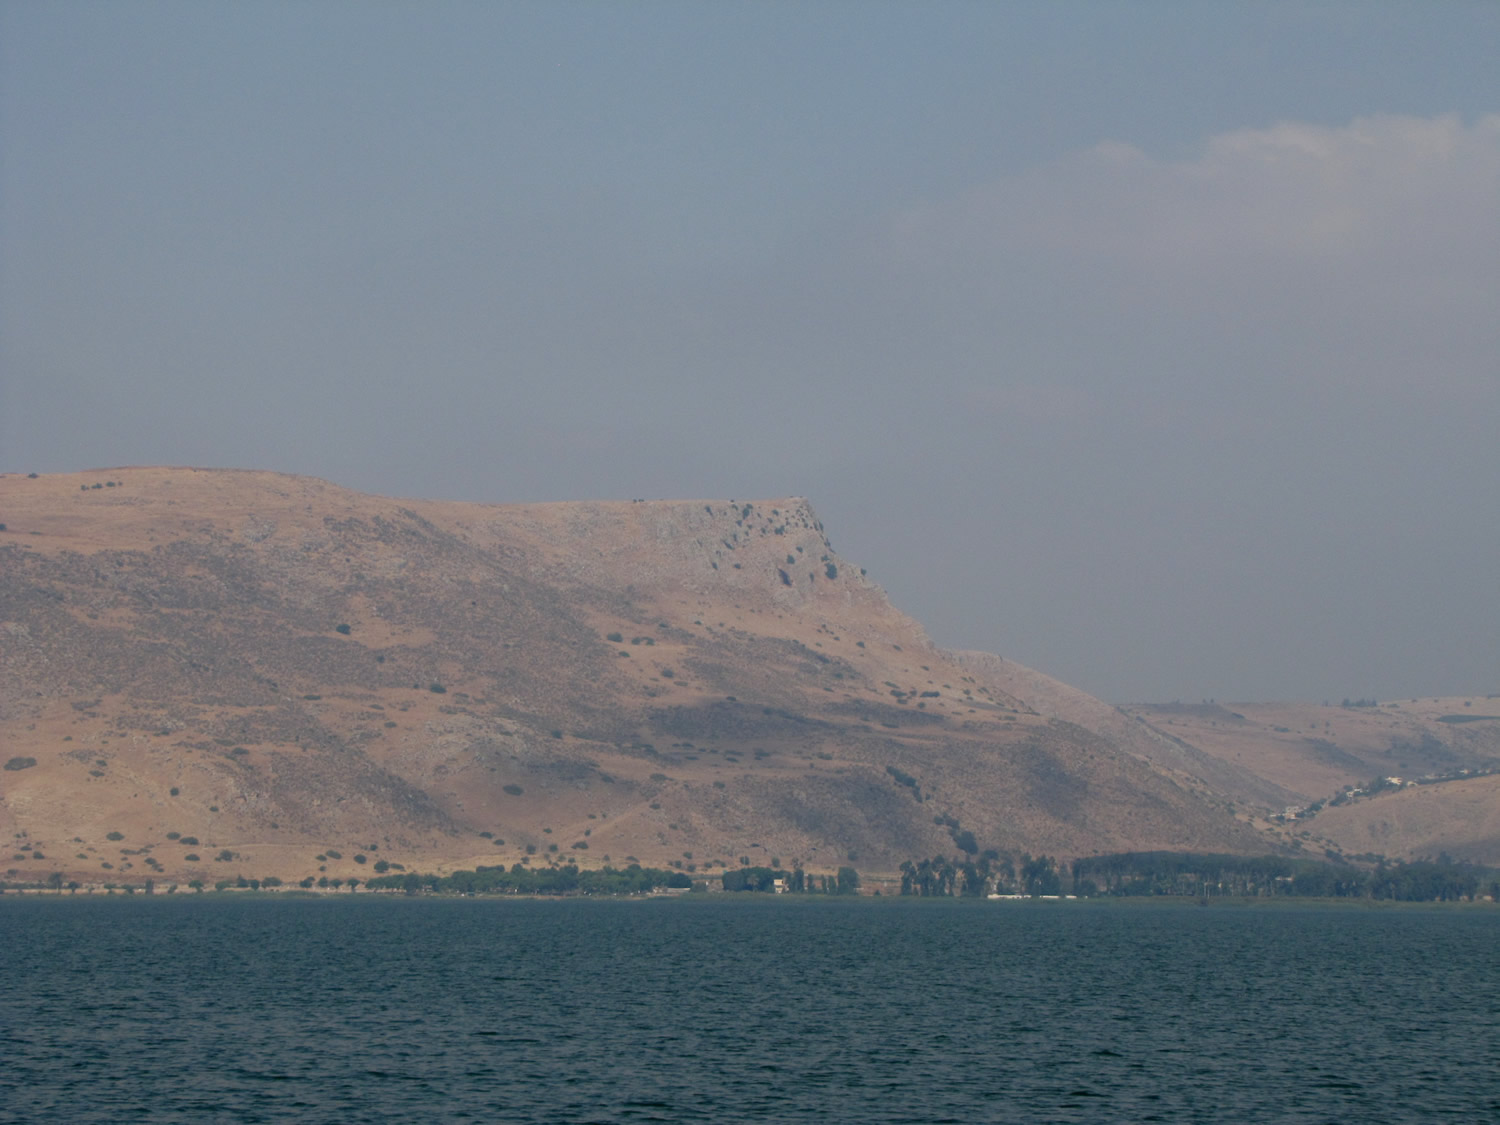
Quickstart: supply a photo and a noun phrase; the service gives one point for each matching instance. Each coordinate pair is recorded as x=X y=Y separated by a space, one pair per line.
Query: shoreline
x=1225 y=902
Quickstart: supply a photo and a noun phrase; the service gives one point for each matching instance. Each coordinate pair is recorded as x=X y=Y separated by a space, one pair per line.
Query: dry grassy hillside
x=210 y=673
x=1332 y=761
x=1460 y=819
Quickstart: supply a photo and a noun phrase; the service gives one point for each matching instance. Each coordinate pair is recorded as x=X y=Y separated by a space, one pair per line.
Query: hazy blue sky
x=1154 y=345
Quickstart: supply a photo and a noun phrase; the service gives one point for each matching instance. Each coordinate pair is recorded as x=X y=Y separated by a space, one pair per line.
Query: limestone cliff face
x=773 y=553
x=274 y=667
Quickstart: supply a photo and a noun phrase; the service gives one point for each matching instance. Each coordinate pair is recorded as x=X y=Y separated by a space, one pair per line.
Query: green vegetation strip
x=1177 y=873
x=520 y=880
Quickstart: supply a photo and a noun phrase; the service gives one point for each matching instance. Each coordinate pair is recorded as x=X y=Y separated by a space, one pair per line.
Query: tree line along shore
x=1121 y=875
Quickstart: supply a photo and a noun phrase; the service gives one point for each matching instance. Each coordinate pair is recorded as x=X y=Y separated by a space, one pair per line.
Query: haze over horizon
x=1154 y=346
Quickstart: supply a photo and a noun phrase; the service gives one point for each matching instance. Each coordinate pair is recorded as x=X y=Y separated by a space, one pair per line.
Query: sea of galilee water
x=220 y=1008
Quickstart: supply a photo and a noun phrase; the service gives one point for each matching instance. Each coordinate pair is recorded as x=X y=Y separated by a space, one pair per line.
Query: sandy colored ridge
x=296 y=675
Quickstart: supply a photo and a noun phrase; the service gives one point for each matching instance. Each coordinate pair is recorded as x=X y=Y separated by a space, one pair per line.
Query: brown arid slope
x=279 y=676
x=1405 y=779
x=1460 y=819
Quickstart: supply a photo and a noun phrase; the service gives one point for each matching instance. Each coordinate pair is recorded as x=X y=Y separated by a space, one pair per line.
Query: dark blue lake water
x=219 y=1008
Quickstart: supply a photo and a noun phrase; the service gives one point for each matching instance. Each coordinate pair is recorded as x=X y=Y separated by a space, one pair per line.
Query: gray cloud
x=1232 y=411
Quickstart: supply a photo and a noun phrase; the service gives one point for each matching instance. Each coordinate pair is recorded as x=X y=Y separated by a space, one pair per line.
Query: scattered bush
x=513 y=790
x=901 y=777
x=20 y=763
x=615 y=638
x=188 y=841
x=437 y=689
x=344 y=629
x=114 y=836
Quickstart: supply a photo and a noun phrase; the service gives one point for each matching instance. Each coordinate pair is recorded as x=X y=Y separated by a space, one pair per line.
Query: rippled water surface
x=220 y=1008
